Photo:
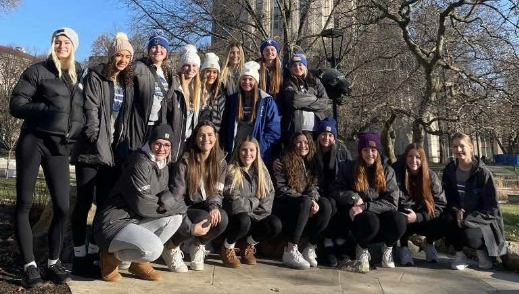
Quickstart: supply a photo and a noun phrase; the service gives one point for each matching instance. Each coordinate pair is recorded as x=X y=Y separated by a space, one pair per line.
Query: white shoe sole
x=196 y=267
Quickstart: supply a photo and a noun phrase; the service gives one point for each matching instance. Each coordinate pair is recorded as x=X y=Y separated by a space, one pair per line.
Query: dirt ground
x=11 y=262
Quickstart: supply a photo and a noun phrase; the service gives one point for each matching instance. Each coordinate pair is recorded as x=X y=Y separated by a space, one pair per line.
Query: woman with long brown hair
x=198 y=178
x=248 y=197
x=298 y=203
x=422 y=200
x=232 y=68
x=366 y=193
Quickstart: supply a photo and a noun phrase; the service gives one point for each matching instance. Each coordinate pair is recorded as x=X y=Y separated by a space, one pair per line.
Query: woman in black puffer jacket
x=49 y=99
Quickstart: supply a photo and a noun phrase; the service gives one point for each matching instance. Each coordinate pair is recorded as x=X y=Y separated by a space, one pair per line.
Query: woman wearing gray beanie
x=49 y=99
x=102 y=149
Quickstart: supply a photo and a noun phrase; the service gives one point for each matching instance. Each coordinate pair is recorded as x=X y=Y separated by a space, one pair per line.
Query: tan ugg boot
x=145 y=271
x=110 y=267
x=247 y=252
x=229 y=258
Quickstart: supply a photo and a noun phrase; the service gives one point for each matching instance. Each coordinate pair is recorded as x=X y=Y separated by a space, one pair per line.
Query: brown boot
x=247 y=252
x=229 y=258
x=145 y=271
x=110 y=267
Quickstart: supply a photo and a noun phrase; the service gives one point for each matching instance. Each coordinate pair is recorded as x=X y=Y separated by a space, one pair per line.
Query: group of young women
x=180 y=158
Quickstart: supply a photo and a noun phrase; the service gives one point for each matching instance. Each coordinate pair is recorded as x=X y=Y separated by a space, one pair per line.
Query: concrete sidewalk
x=272 y=277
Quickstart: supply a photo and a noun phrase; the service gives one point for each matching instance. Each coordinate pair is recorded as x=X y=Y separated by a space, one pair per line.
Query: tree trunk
x=388 y=142
x=8 y=163
x=418 y=132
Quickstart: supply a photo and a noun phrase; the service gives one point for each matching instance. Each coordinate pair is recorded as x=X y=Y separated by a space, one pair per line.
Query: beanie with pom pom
x=119 y=44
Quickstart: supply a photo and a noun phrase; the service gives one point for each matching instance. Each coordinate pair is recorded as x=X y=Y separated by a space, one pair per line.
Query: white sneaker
x=485 y=262
x=460 y=261
x=197 y=254
x=174 y=259
x=387 y=257
x=310 y=255
x=363 y=257
x=406 y=258
x=294 y=259
x=431 y=255
x=124 y=265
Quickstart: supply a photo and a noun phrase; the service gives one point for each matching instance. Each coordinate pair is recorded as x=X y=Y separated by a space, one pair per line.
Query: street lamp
x=333 y=59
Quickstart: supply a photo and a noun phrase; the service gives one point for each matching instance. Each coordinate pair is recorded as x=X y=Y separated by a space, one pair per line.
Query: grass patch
x=511 y=220
x=8 y=191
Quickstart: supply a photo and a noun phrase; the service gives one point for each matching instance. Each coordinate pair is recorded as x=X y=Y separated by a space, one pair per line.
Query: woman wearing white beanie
x=185 y=98
x=251 y=112
x=213 y=98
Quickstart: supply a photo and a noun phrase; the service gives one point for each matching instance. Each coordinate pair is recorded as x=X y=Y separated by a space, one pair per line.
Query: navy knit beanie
x=163 y=132
x=328 y=124
x=369 y=140
x=299 y=56
x=158 y=37
x=269 y=42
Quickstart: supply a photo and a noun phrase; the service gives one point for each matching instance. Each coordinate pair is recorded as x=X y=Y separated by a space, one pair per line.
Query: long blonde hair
x=361 y=176
x=71 y=70
x=264 y=182
x=241 y=95
x=275 y=77
x=214 y=90
x=195 y=82
x=226 y=71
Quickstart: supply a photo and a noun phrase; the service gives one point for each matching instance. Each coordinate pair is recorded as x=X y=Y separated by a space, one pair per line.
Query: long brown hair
x=226 y=67
x=125 y=77
x=422 y=187
x=241 y=95
x=214 y=90
x=275 y=76
x=361 y=175
x=209 y=170
x=296 y=165
x=262 y=174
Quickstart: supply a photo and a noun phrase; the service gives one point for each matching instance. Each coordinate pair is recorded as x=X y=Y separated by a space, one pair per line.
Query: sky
x=32 y=23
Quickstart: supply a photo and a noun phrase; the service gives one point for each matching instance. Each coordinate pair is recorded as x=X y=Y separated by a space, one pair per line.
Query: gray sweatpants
x=144 y=241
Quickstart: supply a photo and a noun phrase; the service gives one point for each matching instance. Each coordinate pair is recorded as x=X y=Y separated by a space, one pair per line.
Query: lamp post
x=333 y=59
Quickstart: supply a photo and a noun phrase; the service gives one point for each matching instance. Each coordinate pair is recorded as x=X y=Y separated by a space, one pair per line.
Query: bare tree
x=7 y=5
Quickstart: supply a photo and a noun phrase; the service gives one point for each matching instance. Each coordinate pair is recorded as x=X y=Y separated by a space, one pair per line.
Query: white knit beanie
x=251 y=68
x=211 y=61
x=189 y=55
x=69 y=33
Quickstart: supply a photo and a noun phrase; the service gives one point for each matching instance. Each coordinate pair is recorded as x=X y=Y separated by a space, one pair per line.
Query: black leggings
x=90 y=180
x=196 y=214
x=369 y=228
x=459 y=237
x=32 y=151
x=432 y=229
x=294 y=213
x=242 y=225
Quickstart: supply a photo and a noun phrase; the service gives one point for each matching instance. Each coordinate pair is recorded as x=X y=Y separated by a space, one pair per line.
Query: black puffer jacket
x=481 y=204
x=406 y=201
x=338 y=153
x=344 y=193
x=145 y=77
x=243 y=198
x=94 y=146
x=176 y=118
x=49 y=104
x=301 y=95
x=142 y=188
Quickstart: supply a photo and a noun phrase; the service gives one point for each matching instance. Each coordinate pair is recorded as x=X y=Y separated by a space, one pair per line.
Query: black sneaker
x=31 y=277
x=329 y=257
x=57 y=273
x=85 y=267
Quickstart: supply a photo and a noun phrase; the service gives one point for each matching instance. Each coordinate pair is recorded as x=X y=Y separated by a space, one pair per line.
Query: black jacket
x=338 y=153
x=94 y=147
x=481 y=204
x=145 y=77
x=49 y=104
x=302 y=95
x=405 y=200
x=141 y=189
x=344 y=193
x=215 y=112
x=243 y=198
x=284 y=190
x=176 y=118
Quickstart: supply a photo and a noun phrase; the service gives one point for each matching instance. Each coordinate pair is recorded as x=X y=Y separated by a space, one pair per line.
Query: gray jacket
x=344 y=193
x=284 y=190
x=243 y=198
x=142 y=188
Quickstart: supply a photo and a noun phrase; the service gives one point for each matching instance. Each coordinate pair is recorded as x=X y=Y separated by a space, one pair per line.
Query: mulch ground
x=11 y=263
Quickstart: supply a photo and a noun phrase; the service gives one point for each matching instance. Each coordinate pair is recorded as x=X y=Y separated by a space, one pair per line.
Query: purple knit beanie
x=369 y=140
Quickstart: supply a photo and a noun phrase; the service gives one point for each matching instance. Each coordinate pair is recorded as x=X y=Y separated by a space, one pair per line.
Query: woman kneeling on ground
x=472 y=217
x=422 y=200
x=298 y=203
x=248 y=197
x=198 y=179
x=141 y=214
x=367 y=193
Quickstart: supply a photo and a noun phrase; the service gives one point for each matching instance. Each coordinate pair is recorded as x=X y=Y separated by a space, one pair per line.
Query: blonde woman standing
x=213 y=99
x=232 y=67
